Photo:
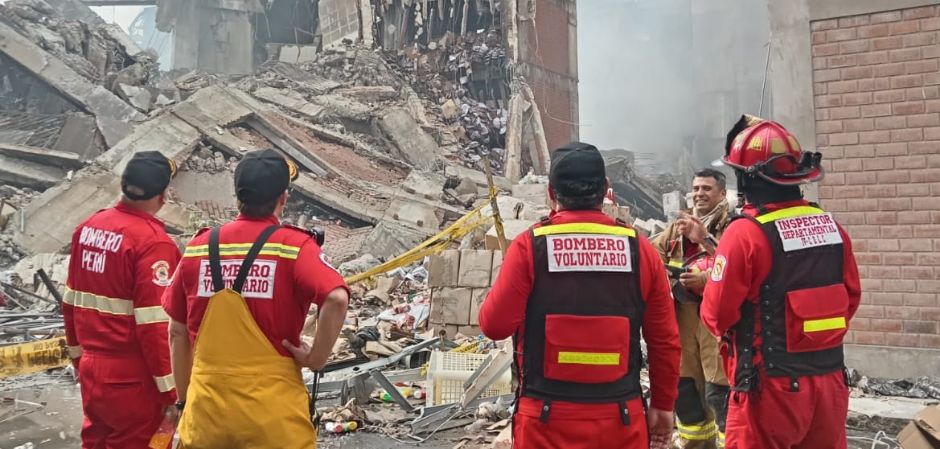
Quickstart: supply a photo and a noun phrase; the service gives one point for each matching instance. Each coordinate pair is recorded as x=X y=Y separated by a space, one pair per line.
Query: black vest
x=582 y=324
x=803 y=305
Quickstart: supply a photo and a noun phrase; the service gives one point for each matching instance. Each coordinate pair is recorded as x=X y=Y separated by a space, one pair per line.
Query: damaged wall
x=460 y=281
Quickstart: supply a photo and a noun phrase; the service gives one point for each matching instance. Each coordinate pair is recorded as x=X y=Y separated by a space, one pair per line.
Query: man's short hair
x=579 y=195
x=711 y=173
x=259 y=210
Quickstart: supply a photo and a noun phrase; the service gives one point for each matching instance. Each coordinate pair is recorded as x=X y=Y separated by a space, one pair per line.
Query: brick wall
x=876 y=82
x=459 y=282
x=338 y=19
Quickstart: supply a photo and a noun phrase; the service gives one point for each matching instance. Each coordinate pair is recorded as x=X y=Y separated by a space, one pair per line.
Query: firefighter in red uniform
x=782 y=292
x=574 y=292
x=237 y=305
x=121 y=262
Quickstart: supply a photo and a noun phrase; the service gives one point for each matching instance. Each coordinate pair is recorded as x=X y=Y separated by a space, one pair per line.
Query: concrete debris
x=413 y=143
x=359 y=265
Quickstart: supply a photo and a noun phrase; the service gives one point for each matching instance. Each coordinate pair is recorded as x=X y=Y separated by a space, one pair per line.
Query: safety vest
x=803 y=304
x=582 y=324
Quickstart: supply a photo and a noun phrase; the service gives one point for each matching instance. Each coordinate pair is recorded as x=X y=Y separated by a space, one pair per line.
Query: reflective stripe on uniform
x=589 y=358
x=583 y=228
x=826 y=324
x=697 y=433
x=148 y=315
x=165 y=383
x=103 y=304
x=241 y=249
x=75 y=352
x=789 y=212
x=721 y=440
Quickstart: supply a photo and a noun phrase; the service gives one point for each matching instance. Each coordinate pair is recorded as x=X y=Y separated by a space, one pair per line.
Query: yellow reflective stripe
x=697 y=433
x=148 y=315
x=589 y=358
x=789 y=212
x=241 y=249
x=674 y=263
x=583 y=228
x=826 y=324
x=75 y=352
x=101 y=304
x=165 y=383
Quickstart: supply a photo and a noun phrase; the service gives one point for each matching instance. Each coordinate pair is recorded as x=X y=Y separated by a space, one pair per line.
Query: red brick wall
x=876 y=82
x=546 y=49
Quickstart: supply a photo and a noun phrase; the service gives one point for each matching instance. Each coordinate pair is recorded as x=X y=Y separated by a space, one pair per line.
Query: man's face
x=706 y=194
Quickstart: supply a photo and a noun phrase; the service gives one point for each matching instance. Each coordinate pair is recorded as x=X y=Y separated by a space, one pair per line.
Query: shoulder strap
x=215 y=263
x=251 y=256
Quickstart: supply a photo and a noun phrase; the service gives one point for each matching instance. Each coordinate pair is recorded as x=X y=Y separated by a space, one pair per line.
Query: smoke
x=666 y=76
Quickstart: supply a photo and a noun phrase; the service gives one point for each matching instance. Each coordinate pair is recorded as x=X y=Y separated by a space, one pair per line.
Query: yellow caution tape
x=33 y=357
x=433 y=245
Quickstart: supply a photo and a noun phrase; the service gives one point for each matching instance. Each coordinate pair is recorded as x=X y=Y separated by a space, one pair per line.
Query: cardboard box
x=923 y=432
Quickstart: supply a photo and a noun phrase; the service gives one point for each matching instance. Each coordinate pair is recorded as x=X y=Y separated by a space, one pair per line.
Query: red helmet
x=764 y=148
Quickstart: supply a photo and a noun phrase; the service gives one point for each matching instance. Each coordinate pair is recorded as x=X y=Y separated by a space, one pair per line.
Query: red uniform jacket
x=289 y=274
x=503 y=314
x=121 y=262
x=747 y=255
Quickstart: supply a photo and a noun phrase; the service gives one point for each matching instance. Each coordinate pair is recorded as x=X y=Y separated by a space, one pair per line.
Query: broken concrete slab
x=352 y=204
x=296 y=54
x=344 y=107
x=289 y=99
x=425 y=184
x=79 y=135
x=193 y=187
x=138 y=97
x=286 y=143
x=115 y=117
x=370 y=94
x=389 y=239
x=511 y=208
x=23 y=173
x=41 y=155
x=534 y=193
x=883 y=413
x=511 y=229
x=478 y=177
x=415 y=214
x=167 y=133
x=414 y=144
x=477 y=296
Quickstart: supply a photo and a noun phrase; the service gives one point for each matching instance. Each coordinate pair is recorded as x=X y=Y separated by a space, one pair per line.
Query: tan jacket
x=669 y=242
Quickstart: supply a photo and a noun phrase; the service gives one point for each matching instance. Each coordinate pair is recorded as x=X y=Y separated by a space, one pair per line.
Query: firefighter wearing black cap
x=121 y=262
x=237 y=305
x=575 y=292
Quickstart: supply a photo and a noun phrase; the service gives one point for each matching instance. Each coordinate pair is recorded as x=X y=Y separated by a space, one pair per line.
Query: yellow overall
x=242 y=393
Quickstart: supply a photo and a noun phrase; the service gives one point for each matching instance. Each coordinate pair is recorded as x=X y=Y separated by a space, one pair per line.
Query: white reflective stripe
x=165 y=383
x=148 y=315
x=75 y=352
x=102 y=304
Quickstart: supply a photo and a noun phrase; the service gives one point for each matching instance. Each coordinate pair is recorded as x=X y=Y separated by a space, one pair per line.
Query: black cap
x=262 y=176
x=147 y=175
x=577 y=161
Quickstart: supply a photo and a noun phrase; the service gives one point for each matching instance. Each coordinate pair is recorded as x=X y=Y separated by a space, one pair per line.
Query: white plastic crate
x=448 y=371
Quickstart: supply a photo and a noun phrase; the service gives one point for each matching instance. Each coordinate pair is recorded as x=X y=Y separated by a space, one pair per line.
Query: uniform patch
x=259 y=284
x=589 y=252
x=718 y=270
x=161 y=273
x=808 y=231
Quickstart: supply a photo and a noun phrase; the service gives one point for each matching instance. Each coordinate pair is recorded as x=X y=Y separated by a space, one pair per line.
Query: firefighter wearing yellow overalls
x=237 y=304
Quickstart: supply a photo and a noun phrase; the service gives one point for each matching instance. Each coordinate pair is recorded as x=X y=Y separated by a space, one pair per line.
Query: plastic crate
x=448 y=371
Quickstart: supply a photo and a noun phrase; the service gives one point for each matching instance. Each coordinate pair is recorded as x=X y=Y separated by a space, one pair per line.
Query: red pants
x=570 y=428
x=120 y=400
x=777 y=418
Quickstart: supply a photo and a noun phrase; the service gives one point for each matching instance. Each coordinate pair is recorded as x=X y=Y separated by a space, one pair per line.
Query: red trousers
x=573 y=426
x=777 y=418
x=121 y=402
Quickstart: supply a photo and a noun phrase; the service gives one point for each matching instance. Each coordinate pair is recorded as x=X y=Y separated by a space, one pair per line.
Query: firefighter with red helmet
x=782 y=292
x=121 y=262
x=703 y=387
x=575 y=292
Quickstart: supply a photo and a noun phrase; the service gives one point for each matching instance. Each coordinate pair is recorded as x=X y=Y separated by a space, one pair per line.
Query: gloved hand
x=694 y=281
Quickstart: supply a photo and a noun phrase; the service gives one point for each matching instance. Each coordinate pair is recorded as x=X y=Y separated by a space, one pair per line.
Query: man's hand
x=171 y=413
x=659 y=422
x=694 y=281
x=302 y=354
x=691 y=228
